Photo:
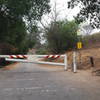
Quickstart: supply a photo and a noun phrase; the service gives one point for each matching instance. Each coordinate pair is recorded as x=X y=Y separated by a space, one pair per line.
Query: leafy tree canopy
x=90 y=9
x=19 y=8
x=17 y=19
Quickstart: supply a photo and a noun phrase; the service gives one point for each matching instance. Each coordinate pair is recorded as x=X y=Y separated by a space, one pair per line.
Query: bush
x=91 y=39
x=7 y=49
x=62 y=36
x=41 y=51
x=3 y=62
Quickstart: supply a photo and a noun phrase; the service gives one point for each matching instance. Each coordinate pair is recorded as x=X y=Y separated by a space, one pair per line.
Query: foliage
x=17 y=19
x=89 y=10
x=3 y=62
x=33 y=37
x=61 y=36
x=93 y=39
x=6 y=49
x=41 y=51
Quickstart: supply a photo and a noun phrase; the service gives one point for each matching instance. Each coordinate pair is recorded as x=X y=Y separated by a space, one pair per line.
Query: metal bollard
x=66 y=64
x=74 y=62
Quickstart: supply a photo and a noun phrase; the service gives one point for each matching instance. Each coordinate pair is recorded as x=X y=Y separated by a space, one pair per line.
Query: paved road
x=35 y=82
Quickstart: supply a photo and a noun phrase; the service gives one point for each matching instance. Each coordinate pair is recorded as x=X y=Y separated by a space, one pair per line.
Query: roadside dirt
x=83 y=59
x=9 y=67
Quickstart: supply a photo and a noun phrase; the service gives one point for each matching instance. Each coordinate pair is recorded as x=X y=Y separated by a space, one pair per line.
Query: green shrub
x=41 y=51
x=62 y=36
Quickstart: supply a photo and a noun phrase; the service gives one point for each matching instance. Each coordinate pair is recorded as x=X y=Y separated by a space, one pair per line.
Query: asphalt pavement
x=35 y=82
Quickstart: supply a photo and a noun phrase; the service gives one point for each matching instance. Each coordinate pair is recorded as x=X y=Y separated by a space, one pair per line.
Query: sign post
x=79 y=46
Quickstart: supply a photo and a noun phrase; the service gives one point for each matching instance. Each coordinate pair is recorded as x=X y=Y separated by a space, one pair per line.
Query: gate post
x=74 y=62
x=65 y=61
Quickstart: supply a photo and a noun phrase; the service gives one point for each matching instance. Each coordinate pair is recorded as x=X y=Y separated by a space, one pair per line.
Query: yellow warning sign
x=79 y=45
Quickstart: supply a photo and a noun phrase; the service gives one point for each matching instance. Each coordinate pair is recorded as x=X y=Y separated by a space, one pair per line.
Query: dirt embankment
x=83 y=59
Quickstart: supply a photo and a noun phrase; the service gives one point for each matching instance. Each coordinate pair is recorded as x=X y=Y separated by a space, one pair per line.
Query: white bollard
x=74 y=62
x=65 y=61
